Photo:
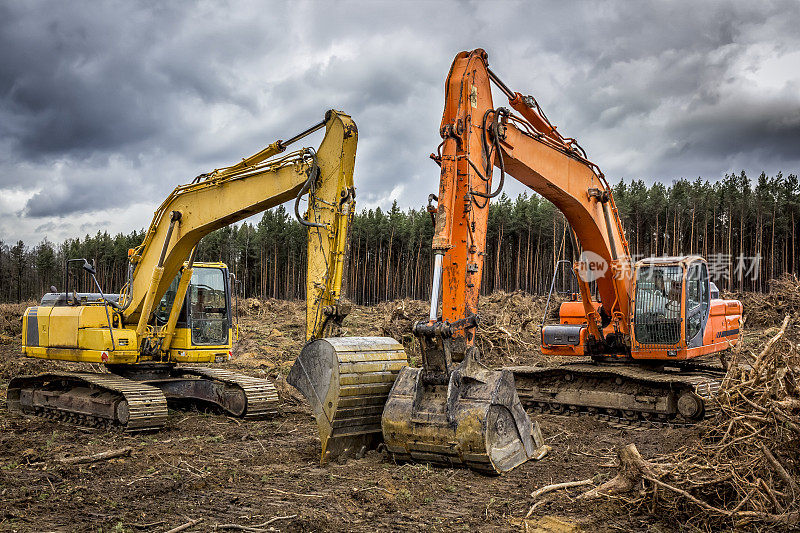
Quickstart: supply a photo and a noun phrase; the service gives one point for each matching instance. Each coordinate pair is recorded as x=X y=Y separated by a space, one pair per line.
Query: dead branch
x=258 y=528
x=630 y=471
x=184 y=527
x=778 y=468
x=688 y=496
x=771 y=494
x=769 y=345
x=556 y=486
x=102 y=456
x=149 y=525
x=559 y=486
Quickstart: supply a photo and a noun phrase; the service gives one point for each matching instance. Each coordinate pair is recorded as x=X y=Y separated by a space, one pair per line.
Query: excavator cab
x=204 y=329
x=677 y=313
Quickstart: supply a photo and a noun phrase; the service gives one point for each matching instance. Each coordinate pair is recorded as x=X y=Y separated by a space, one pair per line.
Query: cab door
x=697 y=303
x=208 y=305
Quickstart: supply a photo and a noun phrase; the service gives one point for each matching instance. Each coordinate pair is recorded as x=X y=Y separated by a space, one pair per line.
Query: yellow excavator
x=173 y=310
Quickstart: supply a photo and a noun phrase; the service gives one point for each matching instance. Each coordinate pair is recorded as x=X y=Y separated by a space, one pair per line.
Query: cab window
x=208 y=311
x=657 y=315
x=165 y=305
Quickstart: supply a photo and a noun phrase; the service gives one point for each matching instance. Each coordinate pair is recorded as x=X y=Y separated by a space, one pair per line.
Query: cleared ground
x=204 y=465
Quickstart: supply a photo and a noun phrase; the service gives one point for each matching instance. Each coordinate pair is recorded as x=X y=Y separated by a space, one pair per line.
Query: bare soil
x=225 y=471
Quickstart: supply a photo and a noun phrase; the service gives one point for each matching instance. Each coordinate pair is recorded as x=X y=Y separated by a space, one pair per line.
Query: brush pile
x=11 y=321
x=508 y=330
x=745 y=471
x=762 y=310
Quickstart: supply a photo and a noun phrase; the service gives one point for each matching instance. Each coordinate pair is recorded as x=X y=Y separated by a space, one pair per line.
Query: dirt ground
x=221 y=470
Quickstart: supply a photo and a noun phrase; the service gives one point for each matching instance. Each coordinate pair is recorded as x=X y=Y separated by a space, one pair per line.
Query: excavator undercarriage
x=622 y=393
x=135 y=398
x=89 y=399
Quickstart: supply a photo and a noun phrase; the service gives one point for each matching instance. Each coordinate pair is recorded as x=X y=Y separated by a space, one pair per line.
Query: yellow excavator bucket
x=347 y=381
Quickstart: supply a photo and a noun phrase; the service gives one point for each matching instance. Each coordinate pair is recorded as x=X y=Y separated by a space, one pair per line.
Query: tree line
x=746 y=228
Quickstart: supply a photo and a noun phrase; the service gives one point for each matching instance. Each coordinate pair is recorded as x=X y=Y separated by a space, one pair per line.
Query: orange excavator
x=635 y=330
x=638 y=331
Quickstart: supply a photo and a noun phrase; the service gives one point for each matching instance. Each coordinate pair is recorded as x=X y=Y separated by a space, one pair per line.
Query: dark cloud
x=108 y=104
x=765 y=130
x=85 y=192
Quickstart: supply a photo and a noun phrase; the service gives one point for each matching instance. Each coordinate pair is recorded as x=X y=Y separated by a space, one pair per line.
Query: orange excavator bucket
x=476 y=421
x=470 y=416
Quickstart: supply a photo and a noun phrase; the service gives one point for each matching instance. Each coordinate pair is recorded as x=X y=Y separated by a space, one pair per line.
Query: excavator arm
x=528 y=147
x=579 y=190
x=454 y=410
x=230 y=194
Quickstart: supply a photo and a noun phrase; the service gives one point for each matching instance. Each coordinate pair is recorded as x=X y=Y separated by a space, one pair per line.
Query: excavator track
x=89 y=399
x=624 y=396
x=260 y=396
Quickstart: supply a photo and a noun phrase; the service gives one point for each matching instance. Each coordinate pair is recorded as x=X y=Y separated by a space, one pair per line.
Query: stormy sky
x=106 y=106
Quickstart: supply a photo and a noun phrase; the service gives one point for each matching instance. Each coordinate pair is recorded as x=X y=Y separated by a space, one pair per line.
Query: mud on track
x=204 y=465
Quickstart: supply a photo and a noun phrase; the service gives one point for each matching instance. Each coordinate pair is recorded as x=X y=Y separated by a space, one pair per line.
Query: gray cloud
x=104 y=105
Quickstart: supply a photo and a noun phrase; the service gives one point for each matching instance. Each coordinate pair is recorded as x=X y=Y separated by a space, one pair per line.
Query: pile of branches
x=763 y=310
x=398 y=318
x=508 y=329
x=509 y=326
x=746 y=467
x=11 y=318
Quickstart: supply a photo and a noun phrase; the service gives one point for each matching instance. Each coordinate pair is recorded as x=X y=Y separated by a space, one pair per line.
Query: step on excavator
x=173 y=310
x=638 y=330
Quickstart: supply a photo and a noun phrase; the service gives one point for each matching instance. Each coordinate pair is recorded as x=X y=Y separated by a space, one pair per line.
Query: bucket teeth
x=474 y=420
x=347 y=380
